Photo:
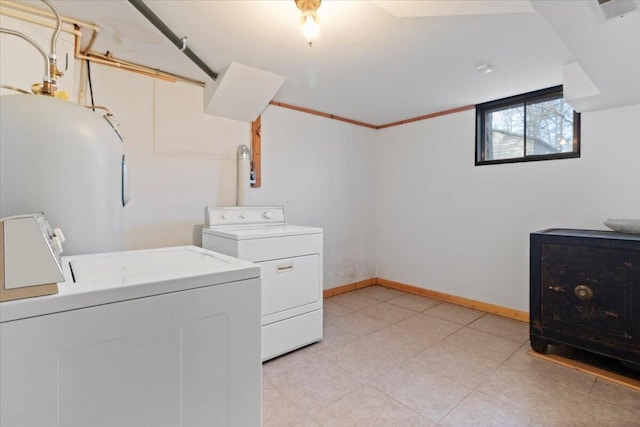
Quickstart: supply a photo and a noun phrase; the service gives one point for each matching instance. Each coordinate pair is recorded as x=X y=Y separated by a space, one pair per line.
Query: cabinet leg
x=539 y=345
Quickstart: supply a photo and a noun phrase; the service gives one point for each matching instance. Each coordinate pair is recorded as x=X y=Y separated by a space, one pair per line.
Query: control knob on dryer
x=267 y=215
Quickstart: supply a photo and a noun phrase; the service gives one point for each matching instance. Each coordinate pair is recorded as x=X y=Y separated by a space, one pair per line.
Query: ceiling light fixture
x=309 y=18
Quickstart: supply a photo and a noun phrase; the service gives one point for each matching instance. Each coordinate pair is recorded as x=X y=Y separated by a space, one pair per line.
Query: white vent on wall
x=610 y=9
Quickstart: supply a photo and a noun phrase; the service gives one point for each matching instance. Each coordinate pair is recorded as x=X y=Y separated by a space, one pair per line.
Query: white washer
x=160 y=337
x=290 y=258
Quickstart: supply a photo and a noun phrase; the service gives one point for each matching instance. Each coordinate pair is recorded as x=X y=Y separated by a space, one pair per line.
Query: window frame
x=513 y=101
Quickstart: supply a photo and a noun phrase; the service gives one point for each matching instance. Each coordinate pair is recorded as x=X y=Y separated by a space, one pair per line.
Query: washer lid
x=98 y=279
x=261 y=231
x=122 y=268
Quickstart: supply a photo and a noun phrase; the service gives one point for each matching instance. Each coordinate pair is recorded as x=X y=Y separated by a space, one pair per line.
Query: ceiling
x=373 y=61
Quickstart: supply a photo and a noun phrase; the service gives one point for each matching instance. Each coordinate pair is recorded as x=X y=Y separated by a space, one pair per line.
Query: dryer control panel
x=215 y=216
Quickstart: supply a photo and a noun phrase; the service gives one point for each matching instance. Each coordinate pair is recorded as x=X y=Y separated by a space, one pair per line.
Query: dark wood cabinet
x=585 y=292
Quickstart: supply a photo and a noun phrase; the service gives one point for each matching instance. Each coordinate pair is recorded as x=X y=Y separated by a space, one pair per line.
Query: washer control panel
x=215 y=216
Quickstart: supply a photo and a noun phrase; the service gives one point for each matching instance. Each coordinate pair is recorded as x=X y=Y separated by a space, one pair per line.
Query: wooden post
x=255 y=153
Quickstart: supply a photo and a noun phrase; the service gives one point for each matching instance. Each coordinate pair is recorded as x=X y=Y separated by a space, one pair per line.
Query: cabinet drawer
x=289 y=283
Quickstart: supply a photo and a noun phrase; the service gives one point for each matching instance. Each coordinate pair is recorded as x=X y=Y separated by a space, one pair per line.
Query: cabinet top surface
x=595 y=234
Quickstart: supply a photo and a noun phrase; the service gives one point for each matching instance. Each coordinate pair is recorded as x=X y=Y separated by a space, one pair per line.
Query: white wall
x=181 y=160
x=447 y=225
x=323 y=172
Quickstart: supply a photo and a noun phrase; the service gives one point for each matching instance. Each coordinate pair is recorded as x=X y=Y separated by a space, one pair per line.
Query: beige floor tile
x=454 y=313
x=429 y=326
x=438 y=370
x=333 y=309
x=287 y=361
x=598 y=413
x=277 y=409
x=357 y=323
x=625 y=397
x=360 y=360
x=388 y=312
x=554 y=405
x=490 y=346
x=307 y=422
x=313 y=383
x=400 y=341
x=333 y=336
x=367 y=407
x=463 y=365
x=478 y=409
x=379 y=292
x=502 y=327
x=427 y=392
x=354 y=301
x=557 y=374
x=414 y=302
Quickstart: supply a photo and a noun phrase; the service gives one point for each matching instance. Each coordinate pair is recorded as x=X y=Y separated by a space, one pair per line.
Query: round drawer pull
x=583 y=292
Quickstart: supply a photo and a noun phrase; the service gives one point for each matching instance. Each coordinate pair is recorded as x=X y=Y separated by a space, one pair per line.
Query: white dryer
x=160 y=337
x=290 y=258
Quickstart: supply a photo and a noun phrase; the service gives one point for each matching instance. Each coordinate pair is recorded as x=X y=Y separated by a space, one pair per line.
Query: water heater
x=67 y=161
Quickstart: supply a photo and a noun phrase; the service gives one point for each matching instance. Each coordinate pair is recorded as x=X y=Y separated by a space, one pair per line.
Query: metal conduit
x=56 y=32
x=178 y=42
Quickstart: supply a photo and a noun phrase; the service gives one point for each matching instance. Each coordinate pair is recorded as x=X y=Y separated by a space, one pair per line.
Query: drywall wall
x=447 y=225
x=323 y=172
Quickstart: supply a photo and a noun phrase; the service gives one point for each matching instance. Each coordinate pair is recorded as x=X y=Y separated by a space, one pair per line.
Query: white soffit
x=605 y=51
x=578 y=89
x=417 y=8
x=241 y=92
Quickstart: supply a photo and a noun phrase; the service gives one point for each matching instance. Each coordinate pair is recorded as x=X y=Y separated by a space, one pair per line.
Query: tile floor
x=395 y=359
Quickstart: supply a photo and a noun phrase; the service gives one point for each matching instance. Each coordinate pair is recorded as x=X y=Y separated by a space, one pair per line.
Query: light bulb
x=310 y=28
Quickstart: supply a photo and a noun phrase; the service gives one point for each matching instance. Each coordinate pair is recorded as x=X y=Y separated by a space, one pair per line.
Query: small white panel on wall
x=241 y=92
x=182 y=129
x=577 y=86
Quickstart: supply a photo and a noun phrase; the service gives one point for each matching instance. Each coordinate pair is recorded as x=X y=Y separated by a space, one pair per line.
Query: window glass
x=533 y=126
x=549 y=127
x=504 y=133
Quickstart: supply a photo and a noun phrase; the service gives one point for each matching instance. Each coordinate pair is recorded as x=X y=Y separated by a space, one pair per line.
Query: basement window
x=537 y=125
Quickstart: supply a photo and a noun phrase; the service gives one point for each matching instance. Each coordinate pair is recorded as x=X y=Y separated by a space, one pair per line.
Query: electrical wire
x=90 y=85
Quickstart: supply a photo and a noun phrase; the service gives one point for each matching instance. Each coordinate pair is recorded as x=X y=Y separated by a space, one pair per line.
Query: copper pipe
x=17 y=89
x=35 y=11
x=92 y=40
x=23 y=16
x=99 y=107
x=130 y=66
